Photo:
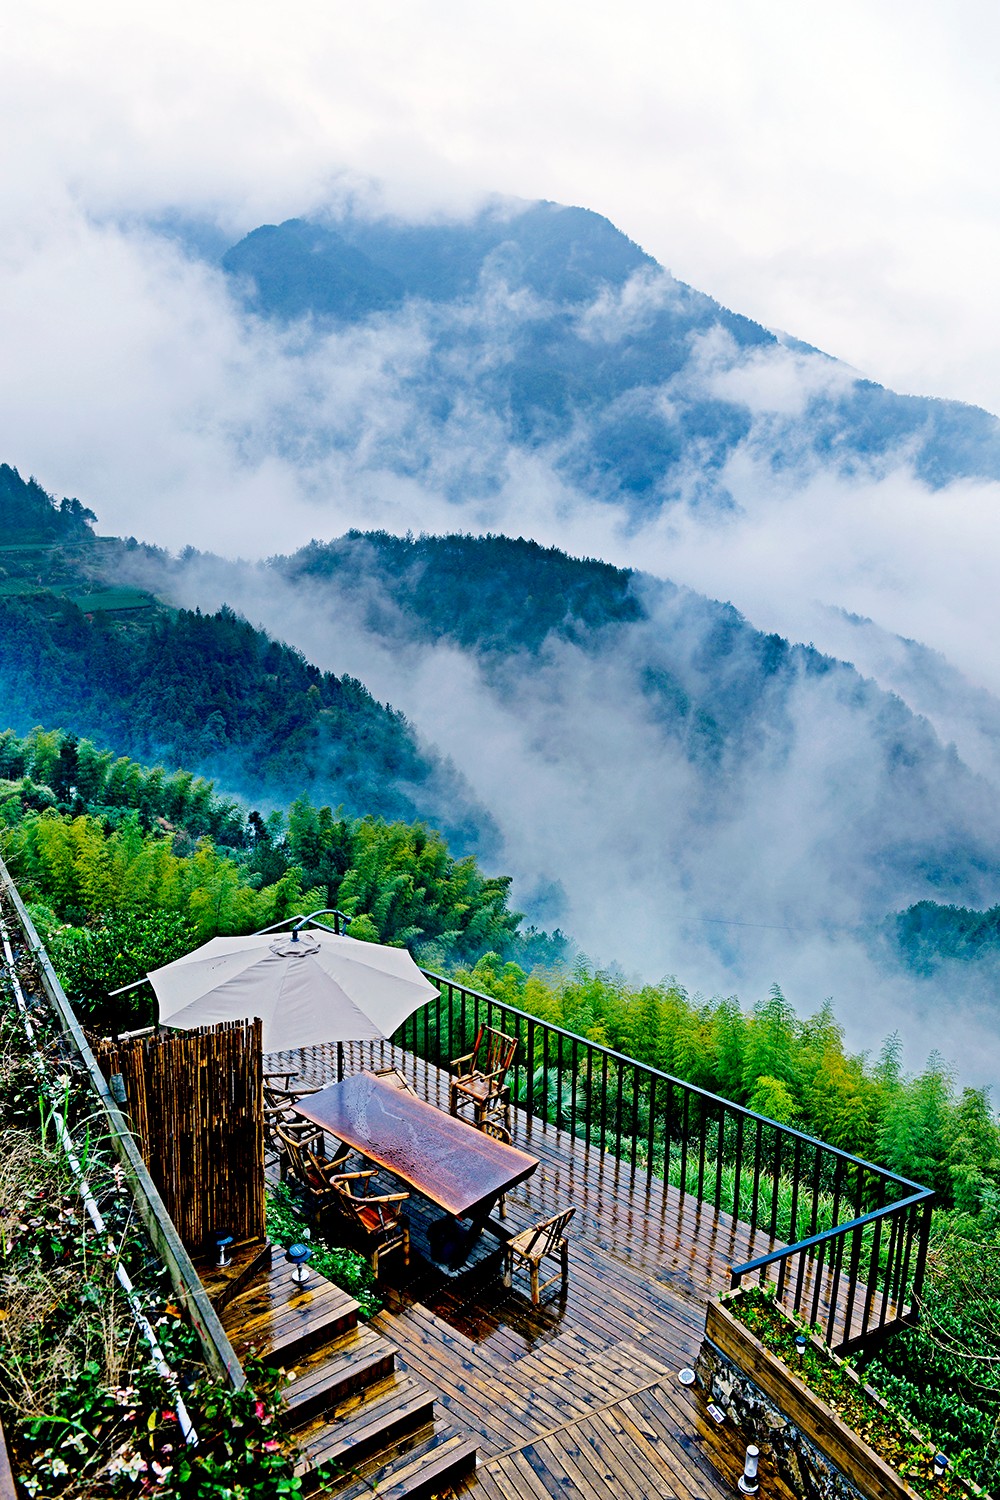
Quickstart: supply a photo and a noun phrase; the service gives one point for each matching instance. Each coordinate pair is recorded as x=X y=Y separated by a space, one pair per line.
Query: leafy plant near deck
x=945 y=1373
x=84 y=1410
x=286 y=1223
x=882 y=1428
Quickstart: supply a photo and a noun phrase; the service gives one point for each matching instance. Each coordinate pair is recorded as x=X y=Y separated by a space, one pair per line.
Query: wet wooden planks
x=580 y=1396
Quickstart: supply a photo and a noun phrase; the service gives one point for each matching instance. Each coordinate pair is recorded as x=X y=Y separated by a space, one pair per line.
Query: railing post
x=529 y=1063
x=826 y=1250
x=921 y=1266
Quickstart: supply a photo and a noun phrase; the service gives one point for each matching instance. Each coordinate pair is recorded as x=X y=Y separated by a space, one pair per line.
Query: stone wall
x=783 y=1448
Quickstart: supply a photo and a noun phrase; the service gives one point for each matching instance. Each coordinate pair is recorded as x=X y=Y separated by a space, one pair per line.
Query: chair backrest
x=496 y=1130
x=494 y=1051
x=296 y=1154
x=347 y=1206
x=546 y=1236
x=368 y=1213
x=398 y=1079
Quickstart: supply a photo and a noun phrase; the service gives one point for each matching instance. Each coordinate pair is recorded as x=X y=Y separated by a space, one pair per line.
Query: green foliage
x=208 y=690
x=122 y=946
x=791 y=1070
x=945 y=1372
x=884 y=1429
x=85 y=1409
x=130 y=866
x=286 y=1223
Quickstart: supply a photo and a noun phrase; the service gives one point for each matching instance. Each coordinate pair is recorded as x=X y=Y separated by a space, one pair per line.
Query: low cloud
x=141 y=386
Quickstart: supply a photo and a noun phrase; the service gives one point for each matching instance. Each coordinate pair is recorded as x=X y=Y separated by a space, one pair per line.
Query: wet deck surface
x=579 y=1396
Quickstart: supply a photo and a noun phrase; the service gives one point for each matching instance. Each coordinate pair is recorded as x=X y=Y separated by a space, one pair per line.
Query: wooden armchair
x=533 y=1245
x=316 y=1175
x=278 y=1091
x=479 y=1077
x=499 y=1133
x=279 y=1111
x=374 y=1222
x=397 y=1078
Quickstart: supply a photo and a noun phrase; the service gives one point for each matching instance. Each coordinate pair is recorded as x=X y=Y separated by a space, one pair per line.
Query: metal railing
x=220 y=1356
x=848 y=1238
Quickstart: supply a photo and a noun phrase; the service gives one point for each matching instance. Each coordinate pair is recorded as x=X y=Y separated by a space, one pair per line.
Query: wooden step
x=417 y=1469
x=366 y=1423
x=326 y=1377
x=279 y=1320
x=223 y=1283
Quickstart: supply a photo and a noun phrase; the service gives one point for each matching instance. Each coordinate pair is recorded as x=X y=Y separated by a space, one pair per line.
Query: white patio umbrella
x=306 y=987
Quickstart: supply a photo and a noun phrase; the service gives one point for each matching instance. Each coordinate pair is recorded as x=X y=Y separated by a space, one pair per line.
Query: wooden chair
x=499 y=1133
x=398 y=1079
x=374 y=1222
x=316 y=1175
x=281 y=1095
x=480 y=1075
x=533 y=1245
x=282 y=1124
x=279 y=1110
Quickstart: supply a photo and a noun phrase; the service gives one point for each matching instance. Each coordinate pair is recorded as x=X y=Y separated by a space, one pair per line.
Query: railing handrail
x=831 y=1170
x=831 y=1234
x=219 y=1353
x=692 y=1088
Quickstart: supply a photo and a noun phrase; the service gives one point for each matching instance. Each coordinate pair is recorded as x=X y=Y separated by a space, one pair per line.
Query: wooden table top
x=443 y=1158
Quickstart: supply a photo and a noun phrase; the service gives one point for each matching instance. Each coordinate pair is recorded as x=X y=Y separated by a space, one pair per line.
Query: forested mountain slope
x=545 y=327
x=663 y=781
x=669 y=783
x=205 y=689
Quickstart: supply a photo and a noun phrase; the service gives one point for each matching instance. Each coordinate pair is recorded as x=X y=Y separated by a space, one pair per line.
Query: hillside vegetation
x=205 y=690
x=549 y=328
x=128 y=867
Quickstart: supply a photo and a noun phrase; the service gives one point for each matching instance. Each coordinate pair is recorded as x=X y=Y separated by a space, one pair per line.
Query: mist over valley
x=735 y=793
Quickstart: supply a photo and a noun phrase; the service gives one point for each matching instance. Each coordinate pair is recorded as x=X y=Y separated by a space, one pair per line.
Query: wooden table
x=444 y=1159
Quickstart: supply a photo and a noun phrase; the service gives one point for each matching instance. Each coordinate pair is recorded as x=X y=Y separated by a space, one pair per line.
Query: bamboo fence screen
x=195 y=1100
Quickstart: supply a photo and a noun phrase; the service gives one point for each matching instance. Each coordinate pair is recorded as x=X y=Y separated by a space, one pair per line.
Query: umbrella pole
x=340 y=1062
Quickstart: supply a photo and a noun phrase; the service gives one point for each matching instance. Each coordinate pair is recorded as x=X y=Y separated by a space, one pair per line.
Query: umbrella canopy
x=307 y=989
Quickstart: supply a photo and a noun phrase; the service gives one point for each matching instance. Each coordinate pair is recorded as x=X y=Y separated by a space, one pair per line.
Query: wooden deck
x=580 y=1396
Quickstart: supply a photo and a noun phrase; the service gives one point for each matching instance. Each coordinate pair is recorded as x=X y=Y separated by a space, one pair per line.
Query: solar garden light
x=940 y=1464
x=800 y=1346
x=224 y=1241
x=749 y=1483
x=298 y=1254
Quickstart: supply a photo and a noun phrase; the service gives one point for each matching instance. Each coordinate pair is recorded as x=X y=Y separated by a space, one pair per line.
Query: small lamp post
x=800 y=1346
x=940 y=1464
x=298 y=1254
x=223 y=1241
x=749 y=1482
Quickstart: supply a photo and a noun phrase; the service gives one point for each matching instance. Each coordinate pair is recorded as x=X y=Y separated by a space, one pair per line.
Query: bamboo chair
x=282 y=1124
x=398 y=1079
x=533 y=1245
x=374 y=1222
x=480 y=1075
x=281 y=1095
x=499 y=1133
x=316 y=1175
x=279 y=1111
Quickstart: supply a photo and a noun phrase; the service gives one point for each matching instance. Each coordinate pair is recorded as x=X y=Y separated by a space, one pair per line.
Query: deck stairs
x=361 y=1424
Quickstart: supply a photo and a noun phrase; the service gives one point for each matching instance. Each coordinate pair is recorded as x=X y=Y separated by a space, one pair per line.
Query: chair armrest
x=269 y=1078
x=456 y=1063
x=386 y=1197
x=352 y=1176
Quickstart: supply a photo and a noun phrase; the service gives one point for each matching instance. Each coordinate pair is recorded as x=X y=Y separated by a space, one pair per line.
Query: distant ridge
x=553 y=324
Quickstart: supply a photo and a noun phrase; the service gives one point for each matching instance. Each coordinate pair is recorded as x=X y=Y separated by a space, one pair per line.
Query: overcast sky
x=828 y=170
